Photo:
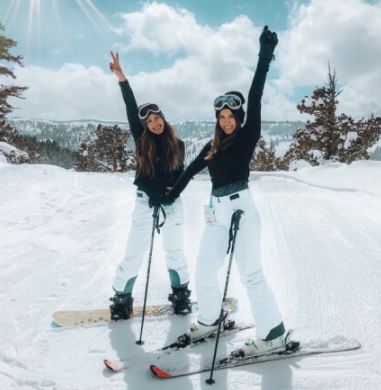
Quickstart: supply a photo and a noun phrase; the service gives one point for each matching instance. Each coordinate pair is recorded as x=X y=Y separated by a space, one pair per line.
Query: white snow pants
x=247 y=254
x=139 y=241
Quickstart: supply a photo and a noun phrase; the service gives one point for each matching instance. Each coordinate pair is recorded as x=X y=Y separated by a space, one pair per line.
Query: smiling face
x=155 y=124
x=227 y=121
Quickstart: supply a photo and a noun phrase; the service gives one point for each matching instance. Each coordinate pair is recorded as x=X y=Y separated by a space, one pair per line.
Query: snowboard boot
x=181 y=303
x=122 y=307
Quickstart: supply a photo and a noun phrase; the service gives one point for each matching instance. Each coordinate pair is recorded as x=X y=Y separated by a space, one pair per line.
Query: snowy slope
x=62 y=234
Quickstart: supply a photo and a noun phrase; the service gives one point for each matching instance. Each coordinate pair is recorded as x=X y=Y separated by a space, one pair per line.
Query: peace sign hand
x=116 y=68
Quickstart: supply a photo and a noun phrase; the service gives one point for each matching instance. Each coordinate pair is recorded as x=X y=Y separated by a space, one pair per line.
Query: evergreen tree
x=109 y=145
x=331 y=137
x=360 y=136
x=321 y=138
x=107 y=152
x=87 y=161
x=264 y=158
x=7 y=133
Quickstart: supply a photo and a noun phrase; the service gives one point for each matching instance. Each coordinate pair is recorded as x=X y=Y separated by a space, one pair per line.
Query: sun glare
x=38 y=10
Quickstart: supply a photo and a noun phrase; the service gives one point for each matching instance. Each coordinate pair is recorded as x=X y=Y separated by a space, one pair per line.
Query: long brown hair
x=146 y=150
x=221 y=141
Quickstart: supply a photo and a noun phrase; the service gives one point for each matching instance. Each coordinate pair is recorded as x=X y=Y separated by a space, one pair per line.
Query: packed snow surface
x=63 y=233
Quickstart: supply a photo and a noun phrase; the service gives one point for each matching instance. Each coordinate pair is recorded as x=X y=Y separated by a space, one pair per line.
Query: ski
x=77 y=318
x=293 y=349
x=181 y=343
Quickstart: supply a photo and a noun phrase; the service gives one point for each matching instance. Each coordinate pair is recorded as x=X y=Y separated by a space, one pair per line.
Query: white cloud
x=71 y=92
x=215 y=60
x=345 y=33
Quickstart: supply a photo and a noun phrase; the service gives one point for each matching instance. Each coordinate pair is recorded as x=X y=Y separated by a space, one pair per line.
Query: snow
x=62 y=233
x=6 y=149
x=351 y=136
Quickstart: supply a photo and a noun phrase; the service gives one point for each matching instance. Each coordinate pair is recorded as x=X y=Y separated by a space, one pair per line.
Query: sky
x=182 y=54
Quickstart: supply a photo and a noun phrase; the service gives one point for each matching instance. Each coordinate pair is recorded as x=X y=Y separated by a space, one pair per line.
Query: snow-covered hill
x=62 y=233
x=70 y=134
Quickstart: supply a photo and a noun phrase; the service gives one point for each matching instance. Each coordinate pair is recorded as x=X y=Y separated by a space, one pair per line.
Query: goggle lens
x=232 y=101
x=148 y=108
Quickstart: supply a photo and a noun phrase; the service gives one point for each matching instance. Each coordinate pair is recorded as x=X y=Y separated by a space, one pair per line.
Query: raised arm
x=268 y=40
x=128 y=96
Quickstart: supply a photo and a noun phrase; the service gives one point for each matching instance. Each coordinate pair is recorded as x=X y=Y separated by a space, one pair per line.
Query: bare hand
x=116 y=68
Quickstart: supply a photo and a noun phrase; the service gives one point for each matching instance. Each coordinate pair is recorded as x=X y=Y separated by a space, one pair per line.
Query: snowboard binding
x=181 y=303
x=122 y=307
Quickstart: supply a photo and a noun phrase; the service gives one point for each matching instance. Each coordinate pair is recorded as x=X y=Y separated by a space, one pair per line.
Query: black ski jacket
x=232 y=165
x=163 y=178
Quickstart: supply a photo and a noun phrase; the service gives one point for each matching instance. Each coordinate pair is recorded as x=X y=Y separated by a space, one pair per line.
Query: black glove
x=268 y=40
x=155 y=200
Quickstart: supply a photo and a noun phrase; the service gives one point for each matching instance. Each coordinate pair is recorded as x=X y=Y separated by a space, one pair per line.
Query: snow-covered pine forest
x=61 y=140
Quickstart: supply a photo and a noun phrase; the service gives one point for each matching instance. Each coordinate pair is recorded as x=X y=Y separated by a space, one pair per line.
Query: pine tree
x=109 y=144
x=107 y=152
x=264 y=158
x=321 y=138
x=331 y=137
x=360 y=136
x=7 y=133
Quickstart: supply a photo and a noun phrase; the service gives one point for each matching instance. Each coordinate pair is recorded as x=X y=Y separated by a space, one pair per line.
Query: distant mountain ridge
x=70 y=134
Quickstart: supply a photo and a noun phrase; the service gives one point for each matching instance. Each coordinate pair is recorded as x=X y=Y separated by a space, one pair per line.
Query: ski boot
x=275 y=342
x=181 y=303
x=199 y=331
x=122 y=307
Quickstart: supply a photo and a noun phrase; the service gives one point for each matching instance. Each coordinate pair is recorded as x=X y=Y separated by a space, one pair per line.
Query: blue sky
x=181 y=54
x=73 y=31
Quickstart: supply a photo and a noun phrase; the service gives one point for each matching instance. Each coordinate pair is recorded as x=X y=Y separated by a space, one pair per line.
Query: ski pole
x=155 y=225
x=234 y=226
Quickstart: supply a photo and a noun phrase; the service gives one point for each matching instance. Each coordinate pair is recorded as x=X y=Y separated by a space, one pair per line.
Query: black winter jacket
x=232 y=165
x=163 y=178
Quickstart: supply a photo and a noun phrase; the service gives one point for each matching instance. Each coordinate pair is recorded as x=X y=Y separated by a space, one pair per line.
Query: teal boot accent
x=175 y=279
x=276 y=332
x=129 y=286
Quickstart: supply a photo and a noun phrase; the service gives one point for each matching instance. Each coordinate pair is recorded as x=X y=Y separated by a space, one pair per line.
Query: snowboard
x=76 y=318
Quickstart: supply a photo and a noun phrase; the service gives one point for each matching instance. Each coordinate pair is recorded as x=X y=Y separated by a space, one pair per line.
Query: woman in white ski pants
x=227 y=157
x=139 y=240
x=247 y=254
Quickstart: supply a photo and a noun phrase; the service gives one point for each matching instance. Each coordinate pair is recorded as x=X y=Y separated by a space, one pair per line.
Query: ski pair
x=293 y=350
x=182 y=342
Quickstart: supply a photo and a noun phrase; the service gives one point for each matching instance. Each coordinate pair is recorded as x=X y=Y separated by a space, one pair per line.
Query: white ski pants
x=139 y=242
x=247 y=254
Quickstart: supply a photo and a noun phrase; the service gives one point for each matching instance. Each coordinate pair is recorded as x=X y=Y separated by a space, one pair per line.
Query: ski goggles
x=146 y=109
x=232 y=101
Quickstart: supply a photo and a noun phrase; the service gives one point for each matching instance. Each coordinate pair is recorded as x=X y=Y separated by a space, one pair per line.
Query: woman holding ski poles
x=227 y=157
x=160 y=161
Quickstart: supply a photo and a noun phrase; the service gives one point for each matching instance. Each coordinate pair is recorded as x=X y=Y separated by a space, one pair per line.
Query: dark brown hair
x=221 y=141
x=146 y=151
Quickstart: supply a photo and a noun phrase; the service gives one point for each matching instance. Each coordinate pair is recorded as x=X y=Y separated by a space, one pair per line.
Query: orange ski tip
x=109 y=364
x=159 y=372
